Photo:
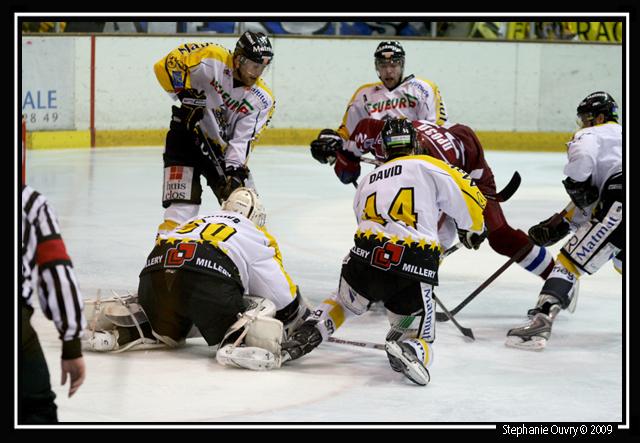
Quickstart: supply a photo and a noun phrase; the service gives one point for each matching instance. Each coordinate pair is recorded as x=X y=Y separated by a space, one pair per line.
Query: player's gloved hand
x=235 y=177
x=190 y=111
x=302 y=341
x=549 y=231
x=324 y=148
x=582 y=194
x=347 y=166
x=471 y=240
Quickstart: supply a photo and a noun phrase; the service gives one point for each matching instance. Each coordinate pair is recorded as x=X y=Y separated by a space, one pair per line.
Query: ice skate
x=533 y=335
x=403 y=358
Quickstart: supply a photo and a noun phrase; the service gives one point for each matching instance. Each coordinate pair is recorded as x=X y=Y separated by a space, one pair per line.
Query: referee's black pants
x=36 y=404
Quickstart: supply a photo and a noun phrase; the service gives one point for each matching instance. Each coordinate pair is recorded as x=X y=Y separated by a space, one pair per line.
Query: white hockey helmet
x=245 y=201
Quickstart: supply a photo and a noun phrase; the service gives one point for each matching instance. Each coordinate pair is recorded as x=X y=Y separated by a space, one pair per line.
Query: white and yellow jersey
x=195 y=244
x=413 y=98
x=235 y=113
x=397 y=207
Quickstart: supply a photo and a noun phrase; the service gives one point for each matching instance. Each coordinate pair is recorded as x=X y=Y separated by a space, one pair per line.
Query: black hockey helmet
x=255 y=46
x=389 y=51
x=598 y=103
x=398 y=138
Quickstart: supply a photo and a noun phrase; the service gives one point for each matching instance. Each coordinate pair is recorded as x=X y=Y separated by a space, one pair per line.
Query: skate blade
x=532 y=344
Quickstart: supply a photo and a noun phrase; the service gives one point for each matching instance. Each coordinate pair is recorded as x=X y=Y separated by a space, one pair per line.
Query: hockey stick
x=502 y=196
x=508 y=190
x=212 y=154
x=467 y=332
x=441 y=316
x=360 y=344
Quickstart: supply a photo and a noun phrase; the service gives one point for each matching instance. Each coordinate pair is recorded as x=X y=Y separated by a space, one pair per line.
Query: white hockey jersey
x=235 y=114
x=253 y=251
x=413 y=98
x=397 y=207
x=594 y=152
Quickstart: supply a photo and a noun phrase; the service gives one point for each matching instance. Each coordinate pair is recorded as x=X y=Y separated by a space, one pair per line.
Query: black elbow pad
x=582 y=194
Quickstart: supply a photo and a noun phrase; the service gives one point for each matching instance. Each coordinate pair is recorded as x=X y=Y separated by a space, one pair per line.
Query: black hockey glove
x=582 y=194
x=471 y=240
x=190 y=111
x=302 y=341
x=235 y=177
x=325 y=146
x=549 y=231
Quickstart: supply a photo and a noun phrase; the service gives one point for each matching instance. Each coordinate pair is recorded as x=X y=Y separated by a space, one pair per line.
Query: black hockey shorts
x=175 y=300
x=36 y=405
x=400 y=295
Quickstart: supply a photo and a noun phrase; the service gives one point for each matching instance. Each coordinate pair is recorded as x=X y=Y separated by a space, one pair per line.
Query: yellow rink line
x=491 y=140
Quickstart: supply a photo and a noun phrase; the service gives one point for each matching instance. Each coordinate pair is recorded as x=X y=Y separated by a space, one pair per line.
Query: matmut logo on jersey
x=232 y=104
x=408 y=101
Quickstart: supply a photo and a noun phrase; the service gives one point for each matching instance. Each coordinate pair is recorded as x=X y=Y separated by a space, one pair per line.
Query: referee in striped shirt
x=46 y=265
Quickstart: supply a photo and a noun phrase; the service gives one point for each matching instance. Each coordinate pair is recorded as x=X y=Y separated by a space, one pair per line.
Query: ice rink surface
x=109 y=204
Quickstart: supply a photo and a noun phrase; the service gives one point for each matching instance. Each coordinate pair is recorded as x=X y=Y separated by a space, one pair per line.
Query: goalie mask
x=245 y=201
x=398 y=138
x=595 y=104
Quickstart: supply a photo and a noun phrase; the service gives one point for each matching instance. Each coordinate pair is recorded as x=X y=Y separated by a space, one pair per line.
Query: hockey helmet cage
x=598 y=103
x=390 y=50
x=255 y=46
x=398 y=138
x=245 y=201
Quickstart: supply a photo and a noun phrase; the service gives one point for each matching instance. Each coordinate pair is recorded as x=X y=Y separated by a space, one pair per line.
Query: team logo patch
x=177 y=256
x=387 y=255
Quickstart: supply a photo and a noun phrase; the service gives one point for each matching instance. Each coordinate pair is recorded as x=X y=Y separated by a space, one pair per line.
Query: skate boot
x=534 y=334
x=101 y=341
x=403 y=358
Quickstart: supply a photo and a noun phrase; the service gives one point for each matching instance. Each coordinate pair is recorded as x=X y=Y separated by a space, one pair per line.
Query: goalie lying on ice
x=197 y=275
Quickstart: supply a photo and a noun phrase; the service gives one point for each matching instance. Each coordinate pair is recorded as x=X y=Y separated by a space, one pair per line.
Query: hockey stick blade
x=360 y=344
x=467 y=332
x=508 y=190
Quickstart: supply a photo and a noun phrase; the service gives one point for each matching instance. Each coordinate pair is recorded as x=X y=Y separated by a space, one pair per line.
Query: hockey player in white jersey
x=197 y=275
x=396 y=253
x=595 y=217
x=225 y=105
x=395 y=96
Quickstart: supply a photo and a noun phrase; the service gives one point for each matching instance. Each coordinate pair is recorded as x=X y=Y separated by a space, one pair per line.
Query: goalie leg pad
x=247 y=357
x=94 y=310
x=254 y=340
